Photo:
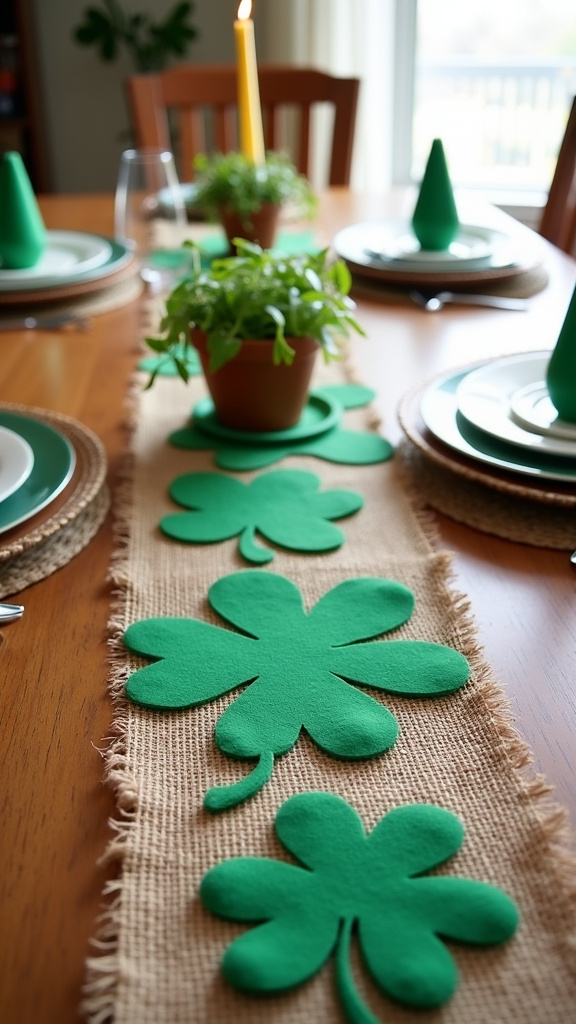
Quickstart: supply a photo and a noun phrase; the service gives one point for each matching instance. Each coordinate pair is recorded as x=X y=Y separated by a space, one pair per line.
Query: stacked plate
x=389 y=251
x=74 y=262
x=495 y=422
x=36 y=463
x=189 y=191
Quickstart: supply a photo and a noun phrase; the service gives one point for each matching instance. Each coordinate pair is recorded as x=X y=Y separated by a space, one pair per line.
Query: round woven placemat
x=72 y=291
x=485 y=509
x=396 y=288
x=102 y=300
x=541 y=513
x=47 y=541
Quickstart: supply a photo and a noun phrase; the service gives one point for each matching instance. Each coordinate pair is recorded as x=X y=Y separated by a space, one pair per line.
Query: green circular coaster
x=320 y=415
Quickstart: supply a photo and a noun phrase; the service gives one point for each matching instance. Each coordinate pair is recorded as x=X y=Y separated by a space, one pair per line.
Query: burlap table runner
x=159 y=950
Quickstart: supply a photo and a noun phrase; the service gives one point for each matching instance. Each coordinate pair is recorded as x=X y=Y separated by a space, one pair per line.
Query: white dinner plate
x=120 y=256
x=16 y=462
x=441 y=415
x=397 y=241
x=487 y=396
x=69 y=255
x=391 y=245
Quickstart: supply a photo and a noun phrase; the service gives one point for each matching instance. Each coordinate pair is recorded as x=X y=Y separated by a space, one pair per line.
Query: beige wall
x=86 y=118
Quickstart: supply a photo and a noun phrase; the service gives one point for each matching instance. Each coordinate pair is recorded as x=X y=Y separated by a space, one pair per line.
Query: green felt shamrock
x=374 y=883
x=284 y=505
x=296 y=667
x=350 y=447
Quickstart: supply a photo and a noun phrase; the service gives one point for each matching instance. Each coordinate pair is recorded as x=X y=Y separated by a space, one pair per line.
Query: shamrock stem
x=252 y=551
x=354 y=1008
x=221 y=798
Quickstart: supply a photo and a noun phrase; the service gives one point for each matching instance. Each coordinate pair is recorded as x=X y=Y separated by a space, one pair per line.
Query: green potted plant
x=258 y=320
x=149 y=43
x=246 y=197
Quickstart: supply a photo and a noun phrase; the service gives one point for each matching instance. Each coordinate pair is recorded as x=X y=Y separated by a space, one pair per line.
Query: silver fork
x=432 y=303
x=43 y=323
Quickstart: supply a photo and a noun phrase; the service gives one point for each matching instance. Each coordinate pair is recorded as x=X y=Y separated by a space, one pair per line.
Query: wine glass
x=150 y=215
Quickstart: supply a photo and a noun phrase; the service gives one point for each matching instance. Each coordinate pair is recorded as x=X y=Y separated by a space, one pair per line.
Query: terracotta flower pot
x=251 y=393
x=259 y=227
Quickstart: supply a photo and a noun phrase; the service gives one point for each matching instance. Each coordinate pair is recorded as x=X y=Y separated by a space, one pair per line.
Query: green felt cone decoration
x=561 y=373
x=435 y=219
x=22 y=231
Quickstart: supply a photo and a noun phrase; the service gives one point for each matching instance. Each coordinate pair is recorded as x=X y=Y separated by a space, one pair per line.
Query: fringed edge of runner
x=102 y=969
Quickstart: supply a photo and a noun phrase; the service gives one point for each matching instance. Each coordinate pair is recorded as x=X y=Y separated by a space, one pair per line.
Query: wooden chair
x=192 y=109
x=558 y=222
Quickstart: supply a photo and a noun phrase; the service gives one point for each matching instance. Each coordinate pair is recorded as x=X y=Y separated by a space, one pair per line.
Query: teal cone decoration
x=435 y=220
x=561 y=372
x=22 y=231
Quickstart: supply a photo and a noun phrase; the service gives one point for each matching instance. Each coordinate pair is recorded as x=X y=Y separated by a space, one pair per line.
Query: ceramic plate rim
x=443 y=257
x=189 y=192
x=16 y=461
x=564 y=430
x=497 y=424
x=38 y=433
x=355 y=251
x=119 y=256
x=102 y=251
x=447 y=431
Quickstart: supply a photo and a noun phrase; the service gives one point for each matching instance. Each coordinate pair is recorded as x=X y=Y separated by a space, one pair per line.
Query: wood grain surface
x=56 y=711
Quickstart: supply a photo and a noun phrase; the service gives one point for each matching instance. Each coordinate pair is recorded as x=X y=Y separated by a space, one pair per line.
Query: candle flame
x=245 y=9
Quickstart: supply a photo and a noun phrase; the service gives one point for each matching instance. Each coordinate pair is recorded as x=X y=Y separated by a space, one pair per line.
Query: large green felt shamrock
x=296 y=666
x=284 y=505
x=374 y=882
x=350 y=447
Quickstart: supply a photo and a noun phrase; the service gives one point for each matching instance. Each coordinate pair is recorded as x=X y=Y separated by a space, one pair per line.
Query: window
x=494 y=79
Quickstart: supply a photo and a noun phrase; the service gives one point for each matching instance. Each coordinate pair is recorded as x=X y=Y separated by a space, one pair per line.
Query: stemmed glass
x=148 y=202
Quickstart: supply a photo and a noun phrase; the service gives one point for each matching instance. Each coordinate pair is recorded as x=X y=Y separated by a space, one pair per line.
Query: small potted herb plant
x=246 y=197
x=258 y=320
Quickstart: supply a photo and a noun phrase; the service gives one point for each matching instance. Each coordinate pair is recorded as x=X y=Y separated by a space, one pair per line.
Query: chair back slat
x=200 y=89
x=558 y=223
x=191 y=135
x=304 y=142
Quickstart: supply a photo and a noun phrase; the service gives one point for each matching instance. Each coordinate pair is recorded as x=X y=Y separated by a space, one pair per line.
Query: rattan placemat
x=492 y=510
x=74 y=291
x=51 y=538
x=522 y=285
x=512 y=505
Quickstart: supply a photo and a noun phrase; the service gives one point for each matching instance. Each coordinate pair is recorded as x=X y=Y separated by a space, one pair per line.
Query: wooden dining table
x=57 y=714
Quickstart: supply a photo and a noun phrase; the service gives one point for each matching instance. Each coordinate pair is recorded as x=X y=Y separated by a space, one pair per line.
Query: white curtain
x=351 y=38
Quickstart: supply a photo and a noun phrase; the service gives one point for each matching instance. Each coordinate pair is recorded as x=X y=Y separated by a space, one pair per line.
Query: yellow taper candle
x=250 y=113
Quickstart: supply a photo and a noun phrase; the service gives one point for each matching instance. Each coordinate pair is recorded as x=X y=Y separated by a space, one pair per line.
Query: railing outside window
x=501 y=123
